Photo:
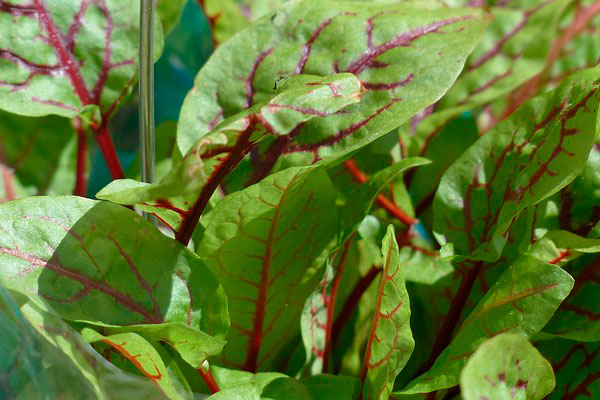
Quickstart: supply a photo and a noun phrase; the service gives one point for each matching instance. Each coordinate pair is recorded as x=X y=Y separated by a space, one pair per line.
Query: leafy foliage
x=361 y=200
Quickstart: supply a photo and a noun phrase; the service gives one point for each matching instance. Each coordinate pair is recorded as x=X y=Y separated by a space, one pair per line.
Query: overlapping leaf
x=297 y=101
x=43 y=357
x=390 y=342
x=576 y=366
x=531 y=155
x=264 y=244
x=131 y=348
x=61 y=57
x=396 y=51
x=521 y=301
x=101 y=263
x=506 y=366
x=513 y=49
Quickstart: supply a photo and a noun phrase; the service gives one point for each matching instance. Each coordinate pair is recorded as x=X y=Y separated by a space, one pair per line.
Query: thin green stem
x=146 y=88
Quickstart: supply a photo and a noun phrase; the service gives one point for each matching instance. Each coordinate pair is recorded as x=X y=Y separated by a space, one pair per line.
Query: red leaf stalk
x=383 y=201
x=82 y=149
x=453 y=317
x=209 y=380
x=108 y=151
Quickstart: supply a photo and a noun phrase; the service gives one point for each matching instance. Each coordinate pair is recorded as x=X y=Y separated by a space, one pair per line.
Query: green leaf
x=443 y=146
x=242 y=385
x=390 y=342
x=578 y=317
x=537 y=151
x=37 y=156
x=100 y=263
x=506 y=367
x=137 y=351
x=43 y=357
x=576 y=366
x=521 y=301
x=314 y=322
x=66 y=58
x=266 y=245
x=169 y=12
x=513 y=50
x=298 y=100
x=396 y=50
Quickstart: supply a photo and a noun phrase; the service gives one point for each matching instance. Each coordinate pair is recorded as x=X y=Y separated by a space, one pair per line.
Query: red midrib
x=376 y=315
x=65 y=57
x=261 y=301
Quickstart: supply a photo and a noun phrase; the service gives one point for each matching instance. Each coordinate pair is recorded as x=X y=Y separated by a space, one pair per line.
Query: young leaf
x=576 y=366
x=61 y=57
x=103 y=264
x=396 y=51
x=265 y=245
x=522 y=301
x=136 y=350
x=298 y=100
x=506 y=366
x=390 y=342
x=534 y=153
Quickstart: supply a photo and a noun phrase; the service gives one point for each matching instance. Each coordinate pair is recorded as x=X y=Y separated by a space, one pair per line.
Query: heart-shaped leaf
x=506 y=366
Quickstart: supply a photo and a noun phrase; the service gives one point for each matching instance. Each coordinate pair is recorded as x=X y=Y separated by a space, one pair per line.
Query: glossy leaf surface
x=298 y=100
x=393 y=49
x=536 y=152
x=61 y=57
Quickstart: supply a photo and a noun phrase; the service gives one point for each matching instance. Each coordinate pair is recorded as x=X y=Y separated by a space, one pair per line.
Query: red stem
x=209 y=380
x=192 y=217
x=383 y=201
x=108 y=151
x=80 y=178
x=453 y=317
x=7 y=176
x=352 y=301
x=331 y=304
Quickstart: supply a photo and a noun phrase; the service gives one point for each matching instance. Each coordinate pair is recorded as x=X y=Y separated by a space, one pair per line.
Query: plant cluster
x=360 y=200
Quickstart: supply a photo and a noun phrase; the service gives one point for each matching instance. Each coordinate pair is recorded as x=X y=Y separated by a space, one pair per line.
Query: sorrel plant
x=360 y=200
